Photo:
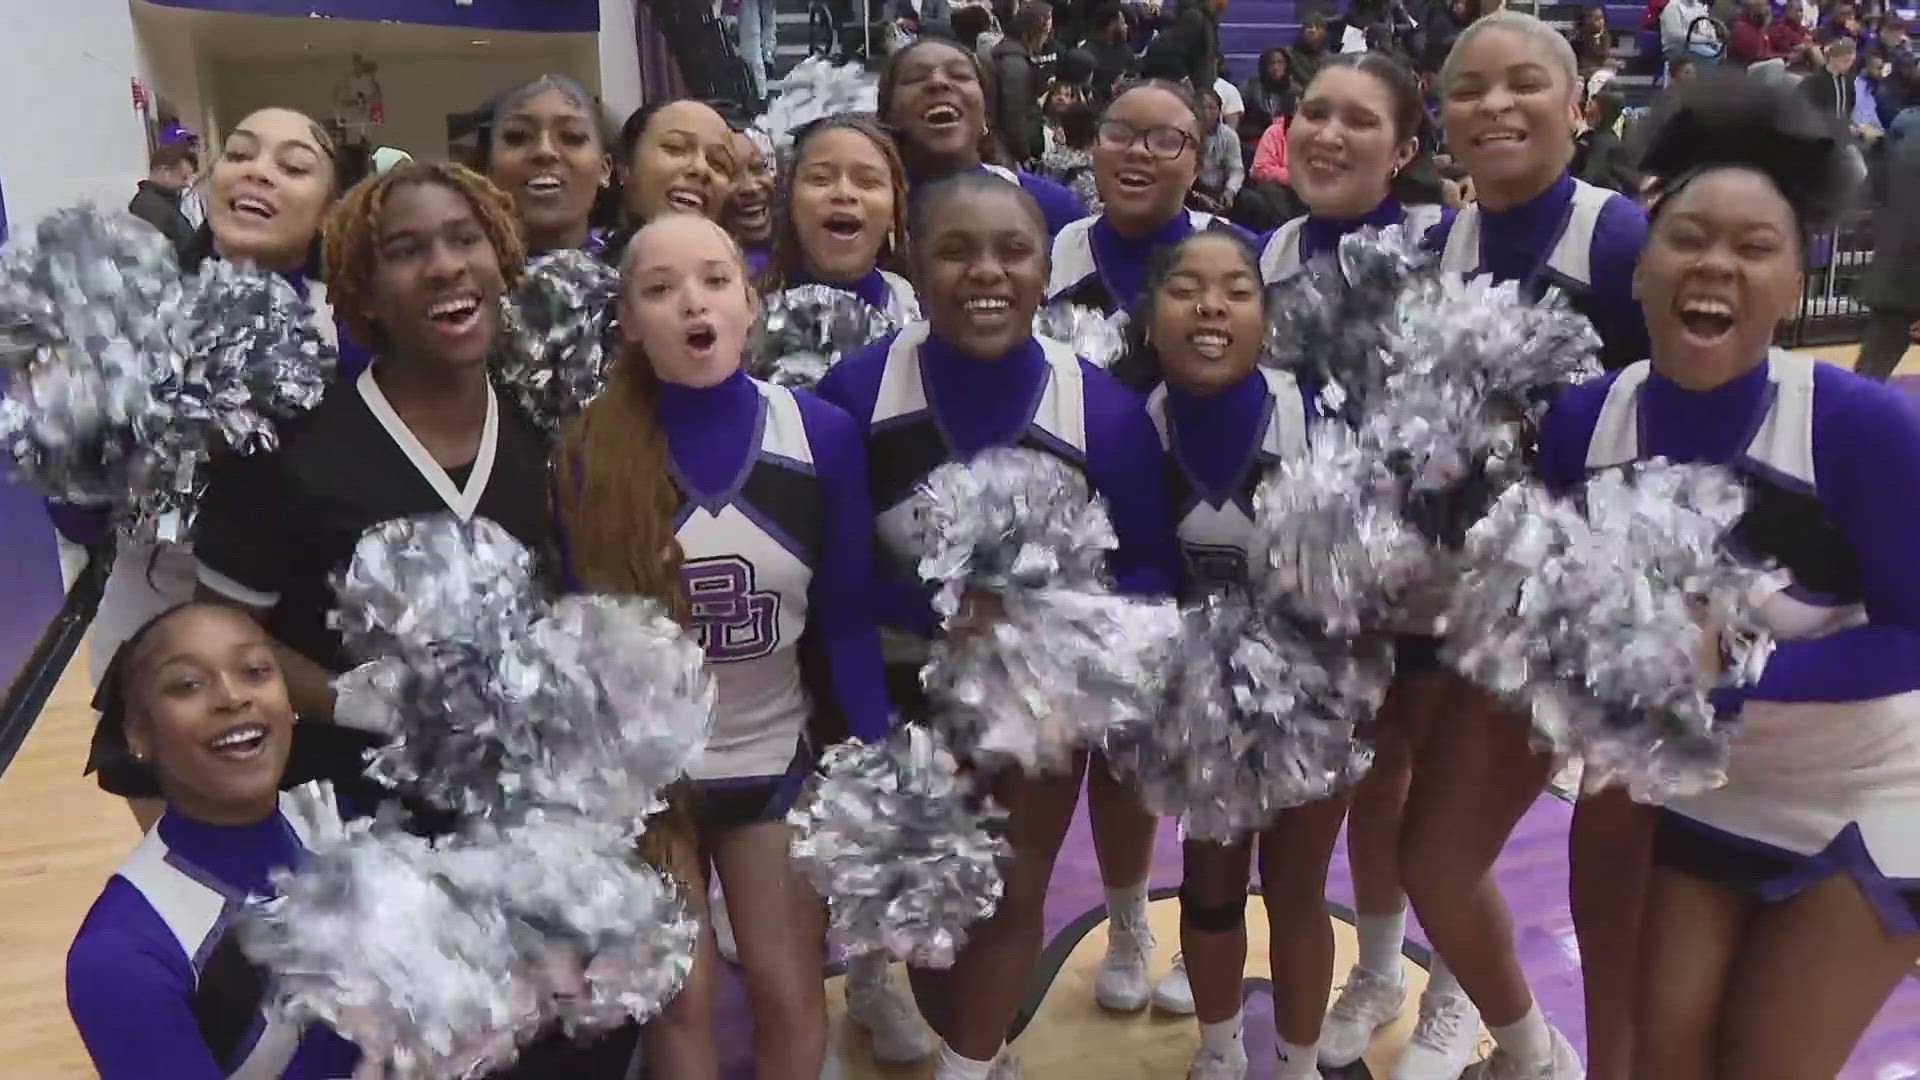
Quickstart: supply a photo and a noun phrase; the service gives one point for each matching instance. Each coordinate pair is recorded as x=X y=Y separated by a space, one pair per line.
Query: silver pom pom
x=562 y=333
x=1060 y=671
x=814 y=89
x=1331 y=323
x=805 y=330
x=1260 y=717
x=1094 y=337
x=1009 y=519
x=434 y=580
x=902 y=845
x=1595 y=622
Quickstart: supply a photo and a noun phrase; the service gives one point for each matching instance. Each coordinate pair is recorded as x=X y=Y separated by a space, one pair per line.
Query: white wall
x=418 y=93
x=170 y=65
x=619 y=59
x=68 y=130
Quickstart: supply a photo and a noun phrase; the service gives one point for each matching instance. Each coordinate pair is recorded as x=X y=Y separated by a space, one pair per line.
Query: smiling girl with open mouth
x=844 y=221
x=547 y=146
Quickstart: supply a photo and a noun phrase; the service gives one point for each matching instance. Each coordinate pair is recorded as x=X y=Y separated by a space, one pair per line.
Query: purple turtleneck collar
x=1123 y=262
x=982 y=403
x=240 y=857
x=1215 y=435
x=1702 y=425
x=712 y=434
x=1515 y=242
x=1320 y=236
x=871 y=287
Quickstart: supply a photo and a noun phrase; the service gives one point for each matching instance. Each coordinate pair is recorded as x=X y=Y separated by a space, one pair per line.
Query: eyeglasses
x=1163 y=142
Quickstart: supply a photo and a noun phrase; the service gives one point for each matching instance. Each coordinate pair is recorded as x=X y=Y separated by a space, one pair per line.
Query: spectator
x=1221 y=169
x=1891 y=287
x=1837 y=92
x=1592 y=41
x=1681 y=68
x=1789 y=37
x=1845 y=22
x=1113 y=58
x=1188 y=50
x=1270 y=157
x=1017 y=84
x=1747 y=42
x=1309 y=50
x=1071 y=88
x=1687 y=29
x=1268 y=93
x=1444 y=21
x=1892 y=63
x=1599 y=156
x=157 y=202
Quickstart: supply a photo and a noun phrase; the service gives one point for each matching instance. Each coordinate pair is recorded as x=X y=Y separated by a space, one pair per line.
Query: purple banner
x=546 y=16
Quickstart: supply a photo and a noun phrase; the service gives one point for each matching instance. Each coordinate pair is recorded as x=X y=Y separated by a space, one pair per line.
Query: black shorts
x=1761 y=870
x=1416 y=653
x=750 y=800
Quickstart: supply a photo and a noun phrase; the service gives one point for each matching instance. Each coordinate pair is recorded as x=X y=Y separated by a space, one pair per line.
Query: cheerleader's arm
x=133 y=1013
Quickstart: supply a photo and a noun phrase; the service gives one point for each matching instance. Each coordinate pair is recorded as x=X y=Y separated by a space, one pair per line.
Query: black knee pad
x=1214 y=919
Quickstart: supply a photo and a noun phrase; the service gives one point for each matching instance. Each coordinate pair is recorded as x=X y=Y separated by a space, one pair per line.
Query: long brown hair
x=787 y=261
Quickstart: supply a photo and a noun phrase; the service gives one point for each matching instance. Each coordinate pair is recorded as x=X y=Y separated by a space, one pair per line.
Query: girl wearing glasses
x=1225 y=422
x=971 y=377
x=932 y=99
x=1146 y=156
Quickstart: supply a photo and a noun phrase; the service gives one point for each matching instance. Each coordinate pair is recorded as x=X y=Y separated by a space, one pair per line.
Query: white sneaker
x=1368 y=1002
x=722 y=925
x=1443 y=1041
x=1005 y=1067
x=831 y=1068
x=1217 y=1065
x=1173 y=993
x=1121 y=984
x=1564 y=1065
x=876 y=1006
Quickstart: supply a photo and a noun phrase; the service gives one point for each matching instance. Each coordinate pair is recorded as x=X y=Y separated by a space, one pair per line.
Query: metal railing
x=1828 y=313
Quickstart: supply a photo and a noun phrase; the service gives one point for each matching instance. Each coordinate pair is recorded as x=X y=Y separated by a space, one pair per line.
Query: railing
x=1828 y=313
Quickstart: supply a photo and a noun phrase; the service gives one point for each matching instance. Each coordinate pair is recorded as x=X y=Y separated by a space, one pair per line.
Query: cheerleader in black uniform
x=1785 y=906
x=1225 y=423
x=547 y=145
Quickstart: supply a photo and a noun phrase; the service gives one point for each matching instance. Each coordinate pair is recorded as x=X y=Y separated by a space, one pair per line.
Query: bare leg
x=1811 y=974
x=680 y=1041
x=1690 y=938
x=1213 y=927
x=1476 y=778
x=990 y=977
x=781 y=927
x=1379 y=800
x=1610 y=852
x=1294 y=855
x=1123 y=830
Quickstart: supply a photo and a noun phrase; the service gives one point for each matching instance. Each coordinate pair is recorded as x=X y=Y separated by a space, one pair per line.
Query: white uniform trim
x=1783 y=444
x=462 y=501
x=322 y=313
x=1280 y=259
x=1572 y=255
x=785 y=437
x=902 y=304
x=1225 y=524
x=196 y=912
x=1073 y=260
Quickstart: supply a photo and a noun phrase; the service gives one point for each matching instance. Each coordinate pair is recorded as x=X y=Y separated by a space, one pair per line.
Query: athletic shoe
x=1564 y=1065
x=1173 y=993
x=1005 y=1067
x=1121 y=984
x=722 y=925
x=1220 y=1065
x=876 y=1006
x=831 y=1067
x=1368 y=1002
x=1443 y=1041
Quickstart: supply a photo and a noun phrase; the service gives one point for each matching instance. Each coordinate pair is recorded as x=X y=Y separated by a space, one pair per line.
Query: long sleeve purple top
x=1515 y=243
x=1866 y=457
x=710 y=434
x=130 y=986
x=981 y=404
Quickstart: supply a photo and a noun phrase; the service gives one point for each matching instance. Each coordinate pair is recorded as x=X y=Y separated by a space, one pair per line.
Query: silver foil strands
x=903 y=846
x=1093 y=336
x=561 y=335
x=1260 y=716
x=124 y=379
x=1009 y=519
x=1055 y=672
x=1331 y=322
x=804 y=330
x=1595 y=622
x=817 y=88
x=434 y=580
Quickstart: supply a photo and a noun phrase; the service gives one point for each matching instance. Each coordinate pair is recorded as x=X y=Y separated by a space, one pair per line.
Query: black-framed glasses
x=1162 y=141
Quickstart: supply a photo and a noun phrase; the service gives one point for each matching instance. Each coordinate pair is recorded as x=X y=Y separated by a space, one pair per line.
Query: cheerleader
x=844 y=218
x=155 y=984
x=676 y=156
x=973 y=376
x=746 y=503
x=1354 y=133
x=1224 y=422
x=1146 y=154
x=932 y=97
x=545 y=144
x=1785 y=906
x=268 y=194
x=1510 y=94
x=748 y=215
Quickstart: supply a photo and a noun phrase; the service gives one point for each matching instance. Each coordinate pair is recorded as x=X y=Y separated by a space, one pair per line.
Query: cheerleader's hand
x=978 y=611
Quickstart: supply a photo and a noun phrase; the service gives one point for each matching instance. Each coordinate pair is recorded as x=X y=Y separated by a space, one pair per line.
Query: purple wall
x=572 y=16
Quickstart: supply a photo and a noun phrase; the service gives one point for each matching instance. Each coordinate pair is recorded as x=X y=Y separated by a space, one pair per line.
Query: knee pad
x=1213 y=919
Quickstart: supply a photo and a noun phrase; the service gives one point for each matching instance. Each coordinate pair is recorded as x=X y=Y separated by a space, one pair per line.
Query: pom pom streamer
x=903 y=847
x=561 y=322
x=805 y=330
x=1331 y=323
x=1594 y=622
x=814 y=89
x=1092 y=335
x=124 y=379
x=424 y=581
x=1260 y=717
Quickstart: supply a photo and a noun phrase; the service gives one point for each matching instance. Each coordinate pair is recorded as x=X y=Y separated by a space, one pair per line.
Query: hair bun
x=1726 y=119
